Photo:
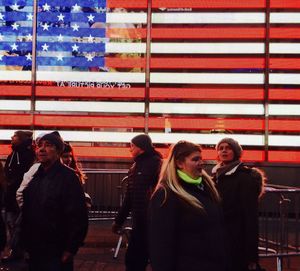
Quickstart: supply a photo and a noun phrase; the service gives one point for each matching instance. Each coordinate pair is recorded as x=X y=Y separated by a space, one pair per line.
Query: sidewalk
x=97 y=254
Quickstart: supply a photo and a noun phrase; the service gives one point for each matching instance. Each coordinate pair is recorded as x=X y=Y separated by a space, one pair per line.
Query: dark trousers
x=137 y=256
x=49 y=263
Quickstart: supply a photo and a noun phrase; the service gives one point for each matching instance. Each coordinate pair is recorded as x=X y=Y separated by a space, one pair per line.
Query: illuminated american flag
x=215 y=66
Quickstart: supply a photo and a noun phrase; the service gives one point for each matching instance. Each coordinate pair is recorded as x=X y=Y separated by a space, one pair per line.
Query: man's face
x=47 y=153
x=135 y=150
x=15 y=140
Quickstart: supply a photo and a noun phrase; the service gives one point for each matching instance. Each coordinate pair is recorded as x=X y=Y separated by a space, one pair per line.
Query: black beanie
x=143 y=141
x=23 y=135
x=55 y=139
x=236 y=147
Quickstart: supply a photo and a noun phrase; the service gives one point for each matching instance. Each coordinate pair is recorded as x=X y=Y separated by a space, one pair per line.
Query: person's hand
x=252 y=266
x=66 y=257
x=115 y=228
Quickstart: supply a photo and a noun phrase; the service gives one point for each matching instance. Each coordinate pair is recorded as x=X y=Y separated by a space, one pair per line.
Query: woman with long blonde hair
x=185 y=219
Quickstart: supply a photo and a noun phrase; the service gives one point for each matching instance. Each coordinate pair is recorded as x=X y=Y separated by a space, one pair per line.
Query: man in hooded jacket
x=142 y=179
x=17 y=163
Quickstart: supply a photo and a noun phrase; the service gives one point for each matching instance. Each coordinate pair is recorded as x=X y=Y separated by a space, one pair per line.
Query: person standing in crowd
x=69 y=159
x=240 y=188
x=17 y=163
x=142 y=178
x=2 y=223
x=55 y=220
x=185 y=230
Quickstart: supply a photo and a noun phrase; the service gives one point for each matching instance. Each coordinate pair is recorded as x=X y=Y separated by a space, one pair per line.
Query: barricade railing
x=279 y=223
x=106 y=189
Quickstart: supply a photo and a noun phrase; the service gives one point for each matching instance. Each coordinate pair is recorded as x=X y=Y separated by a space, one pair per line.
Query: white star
x=1 y=16
x=29 y=37
x=75 y=48
x=60 y=17
x=89 y=57
x=60 y=37
x=14 y=47
x=1 y=37
x=45 y=47
x=90 y=38
x=75 y=27
x=15 y=7
x=28 y=57
x=59 y=57
x=46 y=7
x=76 y=8
x=45 y=27
x=29 y=17
x=90 y=18
x=15 y=26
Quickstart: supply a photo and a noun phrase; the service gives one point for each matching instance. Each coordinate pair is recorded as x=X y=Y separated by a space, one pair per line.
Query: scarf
x=221 y=169
x=188 y=179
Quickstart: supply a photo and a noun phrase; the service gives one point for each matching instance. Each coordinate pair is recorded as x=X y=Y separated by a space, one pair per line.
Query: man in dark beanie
x=143 y=141
x=17 y=163
x=141 y=181
x=240 y=188
x=236 y=147
x=55 y=219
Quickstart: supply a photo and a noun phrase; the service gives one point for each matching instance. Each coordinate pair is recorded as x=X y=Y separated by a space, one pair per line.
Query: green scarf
x=188 y=179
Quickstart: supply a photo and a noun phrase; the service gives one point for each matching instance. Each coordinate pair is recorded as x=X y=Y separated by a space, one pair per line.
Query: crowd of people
x=183 y=218
x=186 y=219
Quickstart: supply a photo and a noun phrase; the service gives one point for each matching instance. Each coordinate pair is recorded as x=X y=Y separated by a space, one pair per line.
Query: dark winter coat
x=142 y=178
x=182 y=238
x=17 y=163
x=54 y=212
x=2 y=224
x=239 y=191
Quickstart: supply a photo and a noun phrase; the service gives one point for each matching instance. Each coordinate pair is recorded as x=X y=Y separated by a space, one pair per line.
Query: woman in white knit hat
x=240 y=188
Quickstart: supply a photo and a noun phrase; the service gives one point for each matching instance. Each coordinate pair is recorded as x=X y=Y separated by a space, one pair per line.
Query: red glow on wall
x=89 y=121
x=284 y=94
x=284 y=125
x=284 y=156
x=15 y=90
x=126 y=4
x=208 y=4
x=83 y=92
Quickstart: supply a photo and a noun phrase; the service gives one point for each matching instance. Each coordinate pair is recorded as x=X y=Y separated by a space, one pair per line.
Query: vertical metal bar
x=279 y=263
x=297 y=224
x=147 y=71
x=266 y=81
x=33 y=63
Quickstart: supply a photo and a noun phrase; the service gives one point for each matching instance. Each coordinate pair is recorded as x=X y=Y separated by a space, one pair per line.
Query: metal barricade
x=106 y=189
x=279 y=224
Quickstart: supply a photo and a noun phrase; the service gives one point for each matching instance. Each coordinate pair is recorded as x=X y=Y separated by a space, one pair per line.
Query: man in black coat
x=55 y=219
x=142 y=179
x=17 y=163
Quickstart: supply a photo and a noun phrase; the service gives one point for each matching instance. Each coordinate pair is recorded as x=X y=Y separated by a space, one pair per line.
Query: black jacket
x=181 y=237
x=239 y=192
x=142 y=178
x=17 y=163
x=54 y=212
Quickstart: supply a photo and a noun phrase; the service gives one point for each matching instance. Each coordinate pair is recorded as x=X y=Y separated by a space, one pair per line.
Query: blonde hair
x=169 y=178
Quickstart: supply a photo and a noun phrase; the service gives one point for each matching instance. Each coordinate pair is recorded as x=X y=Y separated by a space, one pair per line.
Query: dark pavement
x=97 y=254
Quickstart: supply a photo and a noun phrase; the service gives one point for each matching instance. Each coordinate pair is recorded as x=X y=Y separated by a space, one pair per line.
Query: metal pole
x=147 y=71
x=267 y=81
x=33 y=61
